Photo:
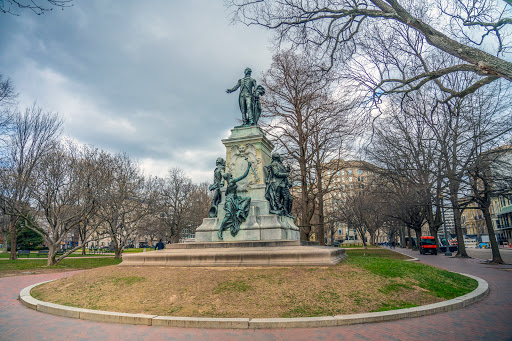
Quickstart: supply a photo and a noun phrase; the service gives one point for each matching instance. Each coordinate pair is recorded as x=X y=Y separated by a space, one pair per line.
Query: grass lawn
x=14 y=267
x=368 y=280
x=33 y=255
x=138 y=250
x=387 y=264
x=349 y=246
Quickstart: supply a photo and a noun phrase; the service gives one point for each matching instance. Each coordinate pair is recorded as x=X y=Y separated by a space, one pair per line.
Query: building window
x=350 y=179
x=343 y=186
x=342 y=172
x=339 y=231
x=350 y=172
x=351 y=186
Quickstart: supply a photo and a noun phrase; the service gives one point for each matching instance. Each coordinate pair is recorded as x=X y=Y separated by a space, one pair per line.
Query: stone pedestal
x=244 y=254
x=249 y=143
x=264 y=239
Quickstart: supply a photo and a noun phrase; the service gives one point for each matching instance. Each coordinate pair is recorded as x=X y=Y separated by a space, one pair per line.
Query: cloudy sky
x=143 y=77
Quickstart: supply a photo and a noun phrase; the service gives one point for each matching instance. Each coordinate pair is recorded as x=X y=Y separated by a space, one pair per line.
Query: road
x=506 y=254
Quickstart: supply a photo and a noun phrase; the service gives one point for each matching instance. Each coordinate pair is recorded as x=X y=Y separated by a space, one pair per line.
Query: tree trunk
x=409 y=240
x=402 y=237
x=432 y=226
x=363 y=237
x=5 y=237
x=12 y=230
x=321 y=217
x=305 y=228
x=458 y=230
x=418 y=237
x=321 y=221
x=52 y=251
x=83 y=250
x=118 y=252
x=496 y=256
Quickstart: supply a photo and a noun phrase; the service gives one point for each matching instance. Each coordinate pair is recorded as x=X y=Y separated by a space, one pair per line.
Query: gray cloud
x=147 y=78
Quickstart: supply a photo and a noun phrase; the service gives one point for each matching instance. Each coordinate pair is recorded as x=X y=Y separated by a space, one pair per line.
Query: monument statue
x=218 y=182
x=277 y=190
x=237 y=208
x=249 y=98
x=260 y=91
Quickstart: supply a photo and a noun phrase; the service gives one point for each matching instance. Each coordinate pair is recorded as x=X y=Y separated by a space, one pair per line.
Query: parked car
x=428 y=245
x=484 y=245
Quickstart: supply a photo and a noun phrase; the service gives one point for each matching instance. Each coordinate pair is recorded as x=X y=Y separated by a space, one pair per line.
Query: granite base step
x=279 y=253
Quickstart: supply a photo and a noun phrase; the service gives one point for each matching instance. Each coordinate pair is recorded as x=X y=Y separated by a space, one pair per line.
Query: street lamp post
x=448 y=252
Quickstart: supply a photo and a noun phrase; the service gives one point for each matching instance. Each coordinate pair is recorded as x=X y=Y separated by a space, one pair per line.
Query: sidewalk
x=488 y=319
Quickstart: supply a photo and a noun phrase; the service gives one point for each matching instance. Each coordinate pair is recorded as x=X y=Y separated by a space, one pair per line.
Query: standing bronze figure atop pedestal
x=249 y=98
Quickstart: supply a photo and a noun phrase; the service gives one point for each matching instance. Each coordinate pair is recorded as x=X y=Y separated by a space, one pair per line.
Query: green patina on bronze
x=236 y=207
x=277 y=190
x=249 y=98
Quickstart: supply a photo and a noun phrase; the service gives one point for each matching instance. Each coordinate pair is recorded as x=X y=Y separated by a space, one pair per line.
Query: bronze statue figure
x=237 y=208
x=260 y=91
x=248 y=98
x=277 y=190
x=218 y=182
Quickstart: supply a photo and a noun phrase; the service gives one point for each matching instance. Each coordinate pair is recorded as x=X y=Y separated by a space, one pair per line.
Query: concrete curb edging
x=253 y=323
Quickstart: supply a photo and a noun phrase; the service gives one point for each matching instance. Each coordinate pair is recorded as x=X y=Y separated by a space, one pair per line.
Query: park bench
x=24 y=252
x=42 y=252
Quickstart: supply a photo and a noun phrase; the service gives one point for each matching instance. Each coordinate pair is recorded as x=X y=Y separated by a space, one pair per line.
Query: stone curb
x=254 y=323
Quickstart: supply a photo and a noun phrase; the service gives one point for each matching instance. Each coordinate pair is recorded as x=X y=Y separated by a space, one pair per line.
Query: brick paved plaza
x=489 y=319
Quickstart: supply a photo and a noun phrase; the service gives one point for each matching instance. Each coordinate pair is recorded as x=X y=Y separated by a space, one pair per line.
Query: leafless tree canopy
x=125 y=202
x=36 y=6
x=33 y=136
x=438 y=147
x=176 y=196
x=309 y=122
x=393 y=45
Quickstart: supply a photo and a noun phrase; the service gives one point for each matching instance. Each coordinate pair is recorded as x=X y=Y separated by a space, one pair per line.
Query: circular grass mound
x=369 y=280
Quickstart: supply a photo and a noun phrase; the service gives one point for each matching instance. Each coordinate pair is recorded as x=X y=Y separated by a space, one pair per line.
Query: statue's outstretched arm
x=234 y=88
x=245 y=173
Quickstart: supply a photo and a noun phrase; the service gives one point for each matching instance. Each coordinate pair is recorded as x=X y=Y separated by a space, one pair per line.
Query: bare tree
x=475 y=34
x=36 y=6
x=63 y=196
x=125 y=202
x=308 y=121
x=200 y=205
x=8 y=97
x=489 y=172
x=7 y=92
x=483 y=187
x=407 y=150
x=363 y=210
x=93 y=181
x=4 y=229
x=175 y=202
x=34 y=135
